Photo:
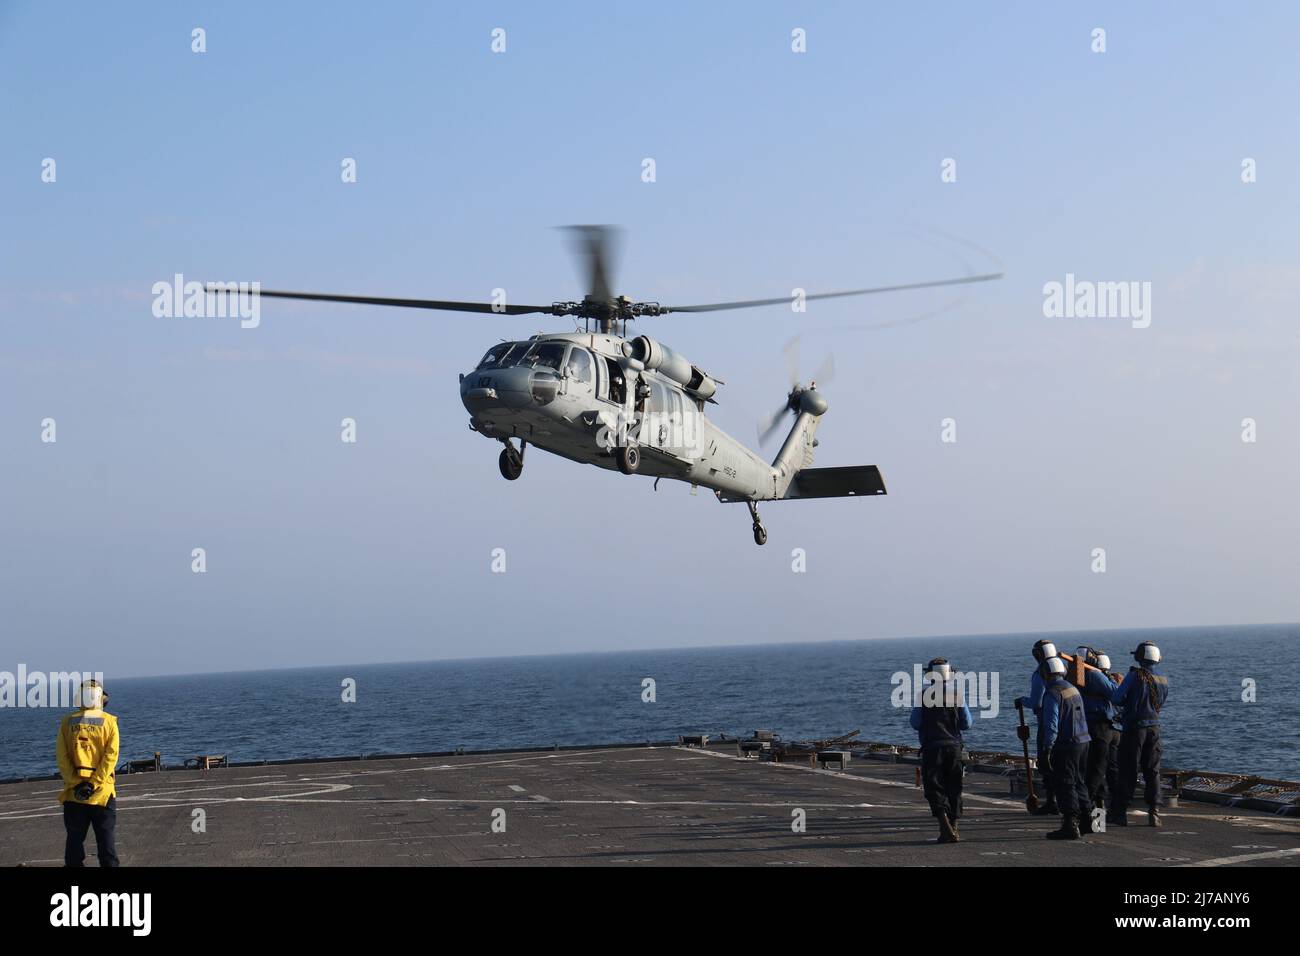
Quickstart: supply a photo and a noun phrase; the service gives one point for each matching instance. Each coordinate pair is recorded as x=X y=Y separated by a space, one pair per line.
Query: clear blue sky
x=775 y=170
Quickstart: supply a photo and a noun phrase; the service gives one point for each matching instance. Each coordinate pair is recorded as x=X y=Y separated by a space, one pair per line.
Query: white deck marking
x=1245 y=858
x=182 y=798
x=996 y=801
x=465 y=765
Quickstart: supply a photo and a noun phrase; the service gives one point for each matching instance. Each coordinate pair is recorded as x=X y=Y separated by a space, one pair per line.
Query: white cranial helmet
x=1054 y=666
x=940 y=668
x=1096 y=658
x=1147 y=653
x=92 y=695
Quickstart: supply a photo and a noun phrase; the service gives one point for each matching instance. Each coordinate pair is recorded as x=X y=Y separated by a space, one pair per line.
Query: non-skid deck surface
x=635 y=806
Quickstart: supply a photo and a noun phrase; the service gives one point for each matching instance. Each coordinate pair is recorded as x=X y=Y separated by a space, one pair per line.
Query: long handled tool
x=1031 y=801
x=1078 y=668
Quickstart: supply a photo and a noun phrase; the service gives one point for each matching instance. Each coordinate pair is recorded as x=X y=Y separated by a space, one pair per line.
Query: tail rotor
x=825 y=373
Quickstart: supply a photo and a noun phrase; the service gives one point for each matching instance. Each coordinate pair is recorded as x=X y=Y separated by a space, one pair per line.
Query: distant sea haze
x=798 y=690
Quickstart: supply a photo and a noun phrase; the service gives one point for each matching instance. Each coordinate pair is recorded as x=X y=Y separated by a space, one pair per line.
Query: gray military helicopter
x=598 y=397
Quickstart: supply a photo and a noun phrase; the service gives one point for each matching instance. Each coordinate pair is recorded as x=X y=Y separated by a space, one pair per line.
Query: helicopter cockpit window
x=544 y=355
x=500 y=355
x=579 y=364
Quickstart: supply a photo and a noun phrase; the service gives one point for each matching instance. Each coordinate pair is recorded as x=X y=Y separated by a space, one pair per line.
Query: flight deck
x=648 y=805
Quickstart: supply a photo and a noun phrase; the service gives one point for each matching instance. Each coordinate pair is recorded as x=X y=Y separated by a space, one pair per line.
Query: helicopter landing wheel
x=628 y=458
x=760 y=533
x=512 y=466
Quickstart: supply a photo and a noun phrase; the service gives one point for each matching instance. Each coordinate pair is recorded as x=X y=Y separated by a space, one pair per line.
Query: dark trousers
x=1070 y=773
x=77 y=819
x=1049 y=785
x=941 y=779
x=1139 y=751
x=1103 y=762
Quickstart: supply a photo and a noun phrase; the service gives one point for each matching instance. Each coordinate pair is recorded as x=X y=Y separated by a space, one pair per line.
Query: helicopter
x=633 y=405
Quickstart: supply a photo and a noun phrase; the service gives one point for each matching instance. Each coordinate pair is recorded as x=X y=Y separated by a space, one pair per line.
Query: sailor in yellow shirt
x=87 y=750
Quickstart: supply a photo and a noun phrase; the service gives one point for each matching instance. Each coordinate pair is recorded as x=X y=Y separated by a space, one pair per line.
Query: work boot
x=946 y=832
x=1069 y=828
x=1085 y=823
x=1153 y=817
x=1117 y=818
x=956 y=831
x=1050 y=807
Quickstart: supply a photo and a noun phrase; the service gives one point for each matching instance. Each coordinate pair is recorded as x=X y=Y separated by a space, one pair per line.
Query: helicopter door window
x=683 y=423
x=579 y=365
x=617 y=386
x=658 y=399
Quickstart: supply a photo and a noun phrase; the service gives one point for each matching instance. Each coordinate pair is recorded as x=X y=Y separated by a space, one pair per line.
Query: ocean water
x=797 y=690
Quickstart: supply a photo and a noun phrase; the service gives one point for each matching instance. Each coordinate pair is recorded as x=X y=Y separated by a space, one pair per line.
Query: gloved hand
x=84 y=792
x=1045 y=761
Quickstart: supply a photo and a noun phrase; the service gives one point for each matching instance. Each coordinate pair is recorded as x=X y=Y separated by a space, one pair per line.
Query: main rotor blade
x=786 y=300
x=596 y=244
x=442 y=304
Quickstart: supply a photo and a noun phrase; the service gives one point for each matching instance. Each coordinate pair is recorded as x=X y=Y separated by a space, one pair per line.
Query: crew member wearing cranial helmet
x=1065 y=743
x=1141 y=697
x=939 y=720
x=1103 y=751
x=1042 y=651
x=87 y=751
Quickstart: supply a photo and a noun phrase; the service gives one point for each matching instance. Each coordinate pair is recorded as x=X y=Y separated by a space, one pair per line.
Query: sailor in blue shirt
x=939 y=719
x=1065 y=740
x=1103 y=751
x=1141 y=696
x=1042 y=650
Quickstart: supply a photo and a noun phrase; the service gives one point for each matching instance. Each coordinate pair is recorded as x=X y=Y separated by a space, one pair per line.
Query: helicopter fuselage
x=583 y=395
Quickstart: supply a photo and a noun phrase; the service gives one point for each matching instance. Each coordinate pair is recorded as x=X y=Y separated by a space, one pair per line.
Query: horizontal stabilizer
x=837 y=482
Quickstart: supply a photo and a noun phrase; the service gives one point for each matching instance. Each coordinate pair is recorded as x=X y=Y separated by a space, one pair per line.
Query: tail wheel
x=760 y=533
x=512 y=466
x=629 y=459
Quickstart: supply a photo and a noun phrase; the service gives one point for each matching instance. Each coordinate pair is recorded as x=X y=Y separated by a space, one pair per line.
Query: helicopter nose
x=497 y=388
